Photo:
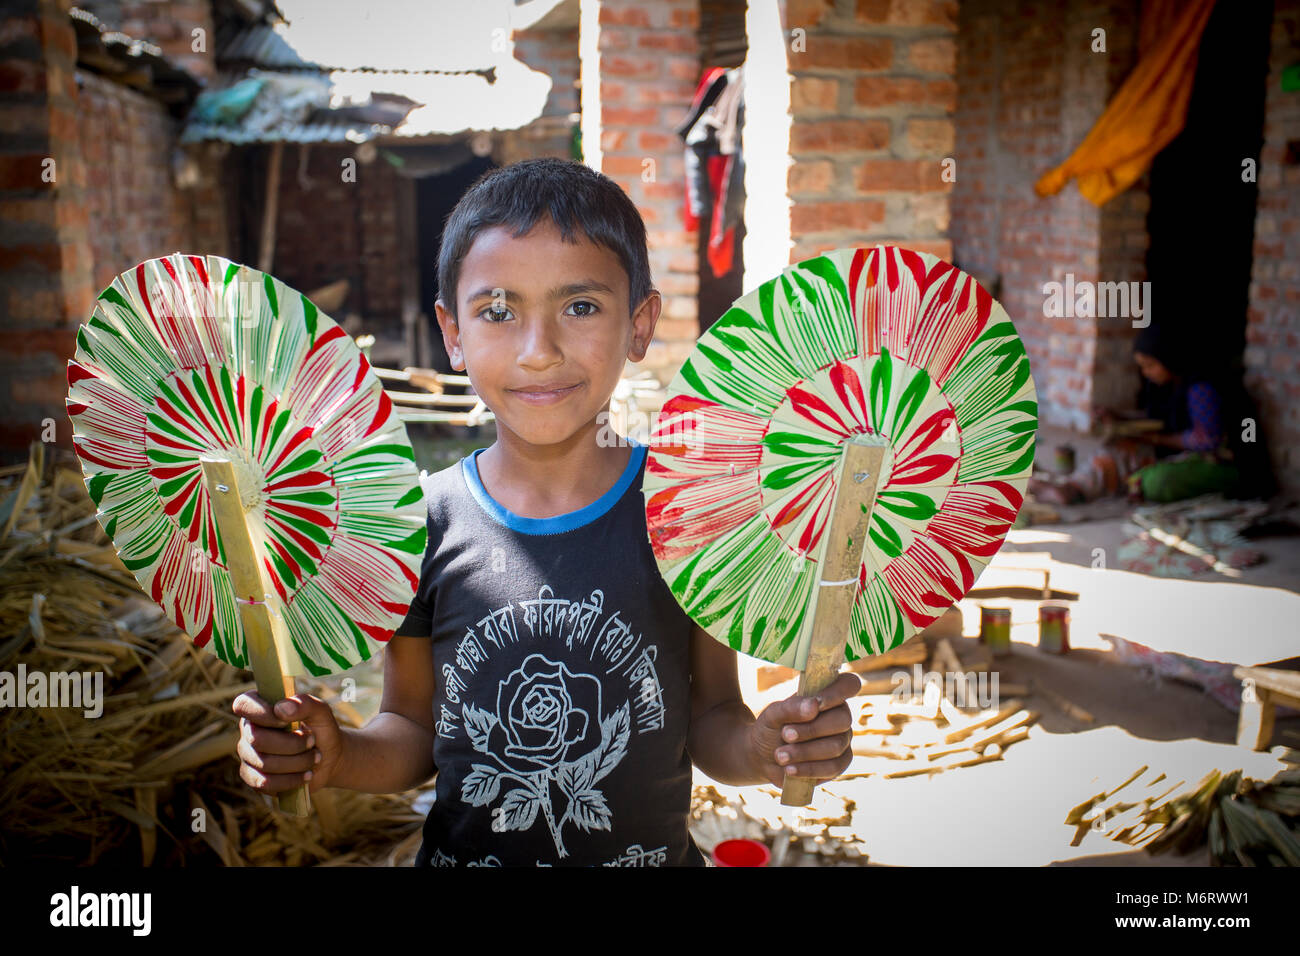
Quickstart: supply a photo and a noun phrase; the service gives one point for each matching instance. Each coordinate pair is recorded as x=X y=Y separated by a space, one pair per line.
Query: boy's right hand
x=273 y=758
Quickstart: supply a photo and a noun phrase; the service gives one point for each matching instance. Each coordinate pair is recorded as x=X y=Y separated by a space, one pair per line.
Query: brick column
x=1272 y=356
x=645 y=60
x=46 y=286
x=871 y=102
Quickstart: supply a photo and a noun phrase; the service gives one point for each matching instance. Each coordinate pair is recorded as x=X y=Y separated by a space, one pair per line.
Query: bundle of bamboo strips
x=152 y=777
x=1246 y=822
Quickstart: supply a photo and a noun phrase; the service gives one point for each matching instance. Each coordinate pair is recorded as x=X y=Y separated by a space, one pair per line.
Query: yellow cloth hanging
x=1149 y=110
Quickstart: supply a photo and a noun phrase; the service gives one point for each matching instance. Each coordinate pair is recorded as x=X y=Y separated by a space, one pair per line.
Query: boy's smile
x=543 y=330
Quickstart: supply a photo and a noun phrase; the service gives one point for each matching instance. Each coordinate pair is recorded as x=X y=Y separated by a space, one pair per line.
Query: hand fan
x=248 y=467
x=839 y=458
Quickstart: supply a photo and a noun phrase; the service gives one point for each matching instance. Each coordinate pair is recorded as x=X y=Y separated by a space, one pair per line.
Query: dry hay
x=123 y=787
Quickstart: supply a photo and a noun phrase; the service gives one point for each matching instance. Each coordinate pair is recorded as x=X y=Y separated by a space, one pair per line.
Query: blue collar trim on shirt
x=558 y=523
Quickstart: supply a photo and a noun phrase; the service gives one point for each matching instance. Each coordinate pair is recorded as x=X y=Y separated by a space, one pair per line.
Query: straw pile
x=153 y=778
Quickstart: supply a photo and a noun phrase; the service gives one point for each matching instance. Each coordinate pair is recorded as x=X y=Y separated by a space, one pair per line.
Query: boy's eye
x=495 y=315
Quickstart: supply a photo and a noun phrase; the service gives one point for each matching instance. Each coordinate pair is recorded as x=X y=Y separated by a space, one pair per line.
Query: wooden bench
x=434 y=404
x=1263 y=688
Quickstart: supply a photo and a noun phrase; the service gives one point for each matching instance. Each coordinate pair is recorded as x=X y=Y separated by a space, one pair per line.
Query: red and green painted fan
x=248 y=466
x=846 y=448
x=189 y=355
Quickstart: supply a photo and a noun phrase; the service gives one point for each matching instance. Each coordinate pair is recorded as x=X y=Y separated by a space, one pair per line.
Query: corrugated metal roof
x=305 y=102
x=357 y=83
x=138 y=63
x=261 y=46
x=264 y=47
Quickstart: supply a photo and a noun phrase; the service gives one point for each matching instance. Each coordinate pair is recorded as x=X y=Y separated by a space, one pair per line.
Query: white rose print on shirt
x=548 y=729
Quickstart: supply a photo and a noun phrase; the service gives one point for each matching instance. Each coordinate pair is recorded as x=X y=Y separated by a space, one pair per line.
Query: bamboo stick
x=262 y=630
x=838 y=570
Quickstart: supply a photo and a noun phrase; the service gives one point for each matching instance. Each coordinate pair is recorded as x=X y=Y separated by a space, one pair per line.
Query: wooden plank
x=839 y=569
x=270 y=208
x=1272 y=678
x=473 y=417
x=1255 y=721
x=996 y=731
x=1067 y=705
x=945 y=658
x=408 y=268
x=263 y=632
x=961 y=733
x=427 y=398
x=911 y=651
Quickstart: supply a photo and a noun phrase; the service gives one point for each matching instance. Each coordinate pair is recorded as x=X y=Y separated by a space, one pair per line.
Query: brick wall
x=1029 y=90
x=169 y=25
x=110 y=203
x=45 y=260
x=329 y=229
x=555 y=53
x=127 y=144
x=871 y=100
x=1272 y=356
x=648 y=69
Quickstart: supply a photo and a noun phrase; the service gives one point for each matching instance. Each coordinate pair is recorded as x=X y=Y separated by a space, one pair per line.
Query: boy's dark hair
x=571 y=193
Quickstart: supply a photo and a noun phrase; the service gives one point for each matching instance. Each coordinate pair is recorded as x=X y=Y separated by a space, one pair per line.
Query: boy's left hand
x=805 y=736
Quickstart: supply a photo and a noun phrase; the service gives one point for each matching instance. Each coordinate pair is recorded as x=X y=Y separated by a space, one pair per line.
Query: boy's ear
x=643 y=325
x=450 y=336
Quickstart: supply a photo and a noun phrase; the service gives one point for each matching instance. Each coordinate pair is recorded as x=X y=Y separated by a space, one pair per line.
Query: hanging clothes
x=1149 y=110
x=715 y=175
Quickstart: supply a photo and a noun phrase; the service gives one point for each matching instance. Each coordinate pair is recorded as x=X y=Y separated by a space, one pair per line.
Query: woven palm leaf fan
x=247 y=466
x=845 y=449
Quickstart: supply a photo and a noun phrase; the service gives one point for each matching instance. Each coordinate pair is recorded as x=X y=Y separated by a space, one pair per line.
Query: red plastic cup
x=741 y=853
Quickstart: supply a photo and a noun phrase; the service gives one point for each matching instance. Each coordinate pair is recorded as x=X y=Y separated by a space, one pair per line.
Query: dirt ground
x=1011 y=812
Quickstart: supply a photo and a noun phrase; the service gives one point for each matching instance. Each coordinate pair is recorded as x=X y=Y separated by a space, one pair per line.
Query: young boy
x=544 y=670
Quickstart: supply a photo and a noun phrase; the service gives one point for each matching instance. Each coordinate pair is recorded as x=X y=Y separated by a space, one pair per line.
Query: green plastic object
x=229 y=105
x=1291 y=78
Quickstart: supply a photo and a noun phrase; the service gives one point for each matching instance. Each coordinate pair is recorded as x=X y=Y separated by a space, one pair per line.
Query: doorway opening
x=435 y=197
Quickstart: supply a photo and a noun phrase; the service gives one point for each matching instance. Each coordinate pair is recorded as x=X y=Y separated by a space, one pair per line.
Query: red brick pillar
x=46 y=287
x=871 y=101
x=645 y=60
x=1272 y=356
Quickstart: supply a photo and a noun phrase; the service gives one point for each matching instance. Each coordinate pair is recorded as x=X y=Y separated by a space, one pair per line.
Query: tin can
x=1053 y=628
x=995 y=629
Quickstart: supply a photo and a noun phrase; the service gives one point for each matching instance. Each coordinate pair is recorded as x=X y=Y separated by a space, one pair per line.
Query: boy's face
x=544 y=331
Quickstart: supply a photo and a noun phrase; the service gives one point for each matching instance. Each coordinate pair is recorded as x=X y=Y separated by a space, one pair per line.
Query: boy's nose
x=539 y=348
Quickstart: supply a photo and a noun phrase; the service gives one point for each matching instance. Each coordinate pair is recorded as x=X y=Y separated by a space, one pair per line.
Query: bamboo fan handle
x=260 y=626
x=841 y=564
